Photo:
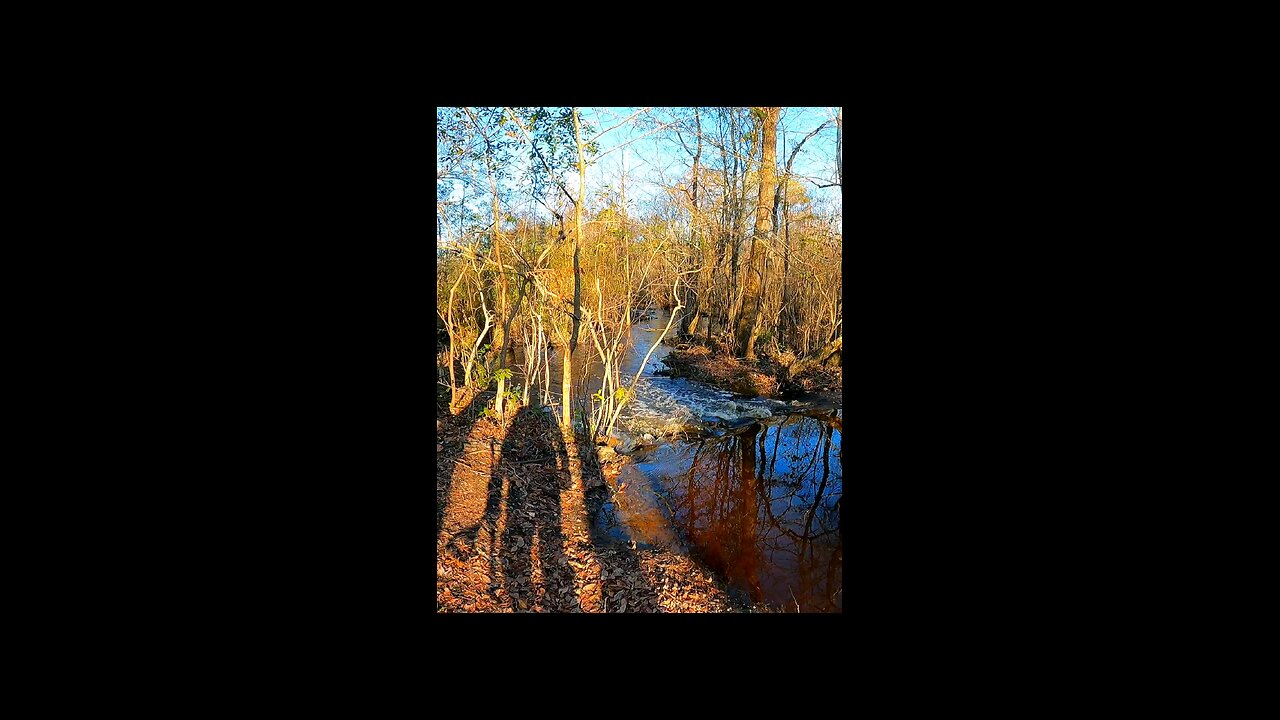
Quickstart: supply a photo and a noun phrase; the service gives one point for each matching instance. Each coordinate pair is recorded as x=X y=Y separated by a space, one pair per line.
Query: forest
x=622 y=296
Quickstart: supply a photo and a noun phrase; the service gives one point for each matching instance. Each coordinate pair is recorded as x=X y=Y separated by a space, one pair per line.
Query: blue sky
x=654 y=161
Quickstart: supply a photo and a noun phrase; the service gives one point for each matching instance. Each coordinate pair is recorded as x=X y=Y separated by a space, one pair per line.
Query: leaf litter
x=513 y=533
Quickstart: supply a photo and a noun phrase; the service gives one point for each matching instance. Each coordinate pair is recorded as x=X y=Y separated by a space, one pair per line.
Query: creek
x=751 y=486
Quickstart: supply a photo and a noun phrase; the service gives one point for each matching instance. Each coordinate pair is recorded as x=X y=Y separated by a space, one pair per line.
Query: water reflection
x=762 y=507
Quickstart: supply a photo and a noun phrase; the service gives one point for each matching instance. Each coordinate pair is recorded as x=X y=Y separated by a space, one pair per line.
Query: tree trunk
x=506 y=328
x=763 y=231
x=453 y=379
x=546 y=371
x=814 y=359
x=567 y=372
x=840 y=149
x=693 y=294
x=500 y=302
x=577 y=237
x=566 y=375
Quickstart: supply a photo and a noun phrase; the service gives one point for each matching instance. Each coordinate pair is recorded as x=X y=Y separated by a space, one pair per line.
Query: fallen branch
x=815 y=358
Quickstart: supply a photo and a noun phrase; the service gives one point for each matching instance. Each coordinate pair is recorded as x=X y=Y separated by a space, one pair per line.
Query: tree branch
x=660 y=127
x=615 y=127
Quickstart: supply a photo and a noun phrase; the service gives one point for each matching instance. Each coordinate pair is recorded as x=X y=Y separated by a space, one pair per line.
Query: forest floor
x=514 y=502
x=713 y=364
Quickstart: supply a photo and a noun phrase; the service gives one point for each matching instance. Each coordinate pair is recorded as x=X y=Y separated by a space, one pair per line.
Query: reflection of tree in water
x=771 y=527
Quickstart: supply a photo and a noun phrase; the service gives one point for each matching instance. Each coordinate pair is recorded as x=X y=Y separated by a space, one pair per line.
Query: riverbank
x=766 y=376
x=515 y=500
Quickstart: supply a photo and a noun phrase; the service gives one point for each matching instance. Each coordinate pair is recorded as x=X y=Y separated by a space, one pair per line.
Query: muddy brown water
x=760 y=507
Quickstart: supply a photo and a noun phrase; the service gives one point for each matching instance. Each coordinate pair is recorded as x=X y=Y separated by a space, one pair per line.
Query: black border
x=982 y=359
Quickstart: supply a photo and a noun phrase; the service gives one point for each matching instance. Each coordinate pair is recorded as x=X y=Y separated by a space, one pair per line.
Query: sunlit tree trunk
x=452 y=329
x=546 y=364
x=566 y=383
x=506 y=327
x=690 y=323
x=499 y=288
x=500 y=284
x=840 y=149
x=566 y=376
x=764 y=209
x=817 y=357
x=470 y=358
x=675 y=293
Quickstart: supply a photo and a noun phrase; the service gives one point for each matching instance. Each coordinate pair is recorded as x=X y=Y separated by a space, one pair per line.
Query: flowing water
x=752 y=486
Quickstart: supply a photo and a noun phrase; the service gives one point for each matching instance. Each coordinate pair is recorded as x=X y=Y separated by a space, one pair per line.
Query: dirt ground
x=514 y=498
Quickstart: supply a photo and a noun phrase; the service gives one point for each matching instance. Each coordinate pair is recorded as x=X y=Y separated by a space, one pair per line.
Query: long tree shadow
x=533 y=473
x=528 y=517
x=621 y=575
x=460 y=425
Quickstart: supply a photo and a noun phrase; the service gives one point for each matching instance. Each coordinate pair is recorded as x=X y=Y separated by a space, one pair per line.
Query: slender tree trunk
x=500 y=306
x=500 y=285
x=577 y=236
x=763 y=230
x=475 y=349
x=840 y=149
x=546 y=361
x=618 y=409
x=452 y=330
x=695 y=294
x=788 y=324
x=506 y=328
x=453 y=377
x=566 y=376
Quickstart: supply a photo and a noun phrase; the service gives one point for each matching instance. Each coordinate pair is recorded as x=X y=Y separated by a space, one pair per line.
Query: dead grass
x=762 y=384
x=766 y=376
x=783 y=358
